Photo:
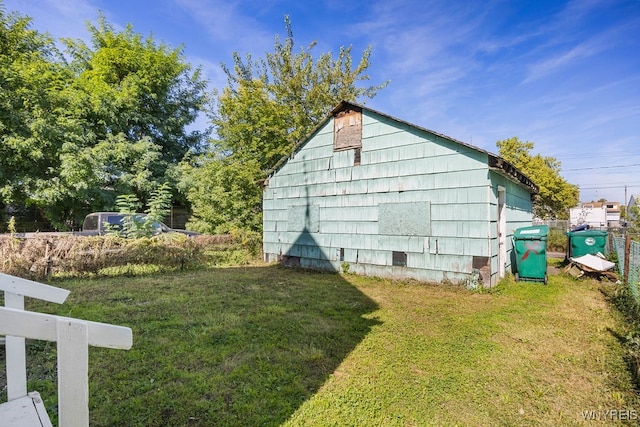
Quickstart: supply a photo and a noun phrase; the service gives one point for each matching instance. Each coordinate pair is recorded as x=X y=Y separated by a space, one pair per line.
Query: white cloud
x=228 y=24
x=60 y=18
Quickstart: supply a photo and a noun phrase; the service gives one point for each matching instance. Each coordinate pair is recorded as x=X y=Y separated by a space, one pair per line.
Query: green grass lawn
x=260 y=346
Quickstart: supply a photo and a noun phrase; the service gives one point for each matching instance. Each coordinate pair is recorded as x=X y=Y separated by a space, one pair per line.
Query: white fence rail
x=15 y=289
x=73 y=336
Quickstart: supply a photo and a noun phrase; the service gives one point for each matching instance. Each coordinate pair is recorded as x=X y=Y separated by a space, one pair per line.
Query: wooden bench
x=27 y=411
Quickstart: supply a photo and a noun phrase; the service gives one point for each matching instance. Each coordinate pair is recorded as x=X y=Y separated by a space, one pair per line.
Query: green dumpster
x=586 y=242
x=530 y=246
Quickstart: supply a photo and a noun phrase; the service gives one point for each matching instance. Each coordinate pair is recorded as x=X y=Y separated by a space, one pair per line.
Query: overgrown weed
x=620 y=297
x=46 y=257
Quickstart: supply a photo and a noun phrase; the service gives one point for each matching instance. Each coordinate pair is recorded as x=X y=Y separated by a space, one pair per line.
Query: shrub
x=622 y=298
x=557 y=240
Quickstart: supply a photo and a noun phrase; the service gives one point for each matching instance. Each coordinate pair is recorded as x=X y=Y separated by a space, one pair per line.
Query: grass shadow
x=231 y=346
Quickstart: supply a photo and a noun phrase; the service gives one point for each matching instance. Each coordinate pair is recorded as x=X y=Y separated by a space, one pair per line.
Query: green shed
x=391 y=199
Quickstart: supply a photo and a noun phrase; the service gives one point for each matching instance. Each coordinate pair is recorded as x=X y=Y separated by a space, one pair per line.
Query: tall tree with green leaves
x=136 y=99
x=268 y=106
x=556 y=195
x=34 y=122
x=111 y=120
x=137 y=87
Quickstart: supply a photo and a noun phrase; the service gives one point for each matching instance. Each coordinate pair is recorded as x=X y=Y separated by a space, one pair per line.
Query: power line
x=604 y=187
x=616 y=184
x=598 y=156
x=602 y=167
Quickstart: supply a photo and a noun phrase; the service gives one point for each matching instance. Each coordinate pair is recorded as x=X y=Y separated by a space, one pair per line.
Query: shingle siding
x=317 y=203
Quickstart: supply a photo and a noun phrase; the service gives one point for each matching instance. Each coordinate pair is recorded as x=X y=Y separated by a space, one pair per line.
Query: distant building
x=613 y=214
x=596 y=215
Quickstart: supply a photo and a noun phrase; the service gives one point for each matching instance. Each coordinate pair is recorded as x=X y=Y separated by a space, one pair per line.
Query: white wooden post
x=73 y=373
x=15 y=289
x=15 y=356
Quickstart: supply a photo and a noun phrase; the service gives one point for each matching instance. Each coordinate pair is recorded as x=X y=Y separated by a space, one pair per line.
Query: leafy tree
x=255 y=128
x=135 y=99
x=136 y=87
x=267 y=107
x=96 y=173
x=112 y=120
x=226 y=194
x=287 y=94
x=556 y=195
x=33 y=119
x=130 y=226
x=159 y=203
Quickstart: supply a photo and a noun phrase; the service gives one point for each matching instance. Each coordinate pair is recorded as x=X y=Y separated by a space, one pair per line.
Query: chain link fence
x=627 y=250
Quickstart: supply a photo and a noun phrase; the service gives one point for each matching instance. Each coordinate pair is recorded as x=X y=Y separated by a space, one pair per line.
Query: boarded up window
x=347 y=130
x=405 y=219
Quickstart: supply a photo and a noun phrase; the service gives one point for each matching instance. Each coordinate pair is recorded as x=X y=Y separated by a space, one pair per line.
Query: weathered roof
x=495 y=162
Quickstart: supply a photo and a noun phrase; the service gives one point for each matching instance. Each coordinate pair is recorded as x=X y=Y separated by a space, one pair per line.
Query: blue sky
x=562 y=74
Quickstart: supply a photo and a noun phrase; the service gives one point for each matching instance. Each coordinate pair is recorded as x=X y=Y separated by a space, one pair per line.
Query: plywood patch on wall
x=405 y=219
x=347 y=130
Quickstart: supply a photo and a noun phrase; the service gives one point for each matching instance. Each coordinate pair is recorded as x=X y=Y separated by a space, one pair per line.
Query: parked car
x=101 y=223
